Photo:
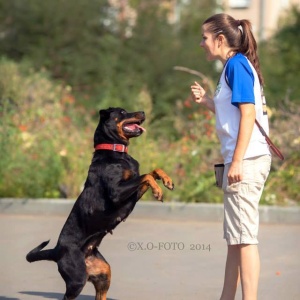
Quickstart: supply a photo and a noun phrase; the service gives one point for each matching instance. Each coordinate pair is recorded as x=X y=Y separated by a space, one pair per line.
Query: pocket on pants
x=255 y=170
x=233 y=188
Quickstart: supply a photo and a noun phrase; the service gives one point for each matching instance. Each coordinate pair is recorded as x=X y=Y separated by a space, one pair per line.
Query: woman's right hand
x=198 y=92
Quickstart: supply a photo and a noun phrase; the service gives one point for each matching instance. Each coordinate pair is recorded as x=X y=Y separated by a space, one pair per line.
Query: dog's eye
x=123 y=112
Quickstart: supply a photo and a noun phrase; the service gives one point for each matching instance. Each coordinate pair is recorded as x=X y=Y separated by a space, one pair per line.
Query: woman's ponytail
x=248 y=46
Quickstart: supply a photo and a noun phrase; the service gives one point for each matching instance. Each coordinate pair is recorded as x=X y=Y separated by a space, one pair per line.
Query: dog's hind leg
x=99 y=274
x=101 y=283
x=73 y=270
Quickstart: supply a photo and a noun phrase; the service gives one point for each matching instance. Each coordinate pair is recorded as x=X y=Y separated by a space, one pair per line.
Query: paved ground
x=150 y=259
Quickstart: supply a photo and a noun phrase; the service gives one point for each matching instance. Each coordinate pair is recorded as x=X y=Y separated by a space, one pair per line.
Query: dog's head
x=116 y=125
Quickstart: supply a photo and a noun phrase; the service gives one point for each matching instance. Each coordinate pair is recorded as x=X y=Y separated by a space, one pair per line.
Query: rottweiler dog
x=112 y=188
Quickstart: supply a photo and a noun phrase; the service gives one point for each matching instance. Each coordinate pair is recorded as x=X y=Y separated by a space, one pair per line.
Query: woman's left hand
x=235 y=172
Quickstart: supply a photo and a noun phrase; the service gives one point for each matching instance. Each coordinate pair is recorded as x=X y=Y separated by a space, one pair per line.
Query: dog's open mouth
x=133 y=128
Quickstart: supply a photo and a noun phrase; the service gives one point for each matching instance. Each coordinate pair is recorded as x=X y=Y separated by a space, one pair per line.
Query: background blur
x=63 y=60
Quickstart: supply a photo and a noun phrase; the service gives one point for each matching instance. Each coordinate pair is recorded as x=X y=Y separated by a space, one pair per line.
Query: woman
x=237 y=103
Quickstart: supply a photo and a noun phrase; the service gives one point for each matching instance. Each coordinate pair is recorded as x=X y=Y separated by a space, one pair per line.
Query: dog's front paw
x=157 y=193
x=160 y=174
x=168 y=183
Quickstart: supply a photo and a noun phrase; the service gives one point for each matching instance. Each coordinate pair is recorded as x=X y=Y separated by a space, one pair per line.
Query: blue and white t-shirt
x=239 y=83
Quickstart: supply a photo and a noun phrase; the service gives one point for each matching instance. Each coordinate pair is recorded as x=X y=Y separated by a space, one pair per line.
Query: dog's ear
x=104 y=114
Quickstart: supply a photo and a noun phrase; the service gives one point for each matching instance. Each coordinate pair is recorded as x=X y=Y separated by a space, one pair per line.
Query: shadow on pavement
x=48 y=295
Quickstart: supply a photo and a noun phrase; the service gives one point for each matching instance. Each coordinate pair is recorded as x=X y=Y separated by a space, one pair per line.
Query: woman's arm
x=245 y=131
x=199 y=96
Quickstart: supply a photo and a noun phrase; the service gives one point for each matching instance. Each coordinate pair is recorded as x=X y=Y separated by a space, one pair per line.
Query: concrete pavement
x=178 y=211
x=151 y=258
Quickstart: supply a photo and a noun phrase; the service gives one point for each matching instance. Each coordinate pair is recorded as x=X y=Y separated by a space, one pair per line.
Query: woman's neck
x=228 y=53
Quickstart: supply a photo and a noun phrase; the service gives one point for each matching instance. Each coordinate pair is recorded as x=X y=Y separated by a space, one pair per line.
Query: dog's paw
x=160 y=174
x=168 y=183
x=157 y=193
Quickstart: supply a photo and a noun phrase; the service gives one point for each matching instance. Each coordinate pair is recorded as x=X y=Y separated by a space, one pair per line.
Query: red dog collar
x=112 y=147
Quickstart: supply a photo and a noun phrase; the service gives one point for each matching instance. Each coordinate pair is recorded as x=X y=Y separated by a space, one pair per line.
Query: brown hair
x=239 y=36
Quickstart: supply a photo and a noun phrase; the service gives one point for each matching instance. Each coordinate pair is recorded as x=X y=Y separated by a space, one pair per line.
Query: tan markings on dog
x=160 y=174
x=127 y=174
x=120 y=127
x=120 y=131
x=156 y=190
x=144 y=188
x=96 y=266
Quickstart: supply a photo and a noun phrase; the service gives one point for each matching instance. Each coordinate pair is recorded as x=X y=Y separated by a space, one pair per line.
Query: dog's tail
x=36 y=253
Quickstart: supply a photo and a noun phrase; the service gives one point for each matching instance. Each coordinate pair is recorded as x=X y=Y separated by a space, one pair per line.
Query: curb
x=176 y=211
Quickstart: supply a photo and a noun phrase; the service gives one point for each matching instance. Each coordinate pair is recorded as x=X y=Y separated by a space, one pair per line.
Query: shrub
x=283 y=185
x=41 y=140
x=46 y=143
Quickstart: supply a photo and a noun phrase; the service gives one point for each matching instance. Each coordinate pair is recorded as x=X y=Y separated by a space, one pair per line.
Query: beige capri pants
x=241 y=200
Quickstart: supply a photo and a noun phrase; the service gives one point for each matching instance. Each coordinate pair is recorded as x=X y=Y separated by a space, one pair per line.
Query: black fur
x=112 y=188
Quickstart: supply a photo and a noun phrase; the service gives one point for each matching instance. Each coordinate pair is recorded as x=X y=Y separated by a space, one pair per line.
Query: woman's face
x=210 y=44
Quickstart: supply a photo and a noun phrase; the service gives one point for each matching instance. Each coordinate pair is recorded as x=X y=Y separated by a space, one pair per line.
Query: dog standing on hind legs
x=112 y=188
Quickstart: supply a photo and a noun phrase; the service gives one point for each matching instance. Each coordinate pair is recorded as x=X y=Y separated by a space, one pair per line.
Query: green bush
x=47 y=143
x=283 y=186
x=41 y=142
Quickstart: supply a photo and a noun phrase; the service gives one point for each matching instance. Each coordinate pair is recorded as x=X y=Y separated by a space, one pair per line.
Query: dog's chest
x=130 y=168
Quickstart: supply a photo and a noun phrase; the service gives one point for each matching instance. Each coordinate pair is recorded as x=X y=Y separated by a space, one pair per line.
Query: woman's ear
x=221 y=39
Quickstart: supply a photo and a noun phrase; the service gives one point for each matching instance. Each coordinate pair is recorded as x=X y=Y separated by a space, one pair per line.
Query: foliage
x=281 y=62
x=281 y=65
x=47 y=143
x=90 y=46
x=40 y=142
x=284 y=181
x=189 y=160
x=67 y=60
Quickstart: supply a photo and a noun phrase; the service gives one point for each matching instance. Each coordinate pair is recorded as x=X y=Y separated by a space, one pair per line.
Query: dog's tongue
x=135 y=126
x=140 y=127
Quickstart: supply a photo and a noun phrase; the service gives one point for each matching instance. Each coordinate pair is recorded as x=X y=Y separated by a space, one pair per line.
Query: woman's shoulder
x=238 y=62
x=238 y=58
